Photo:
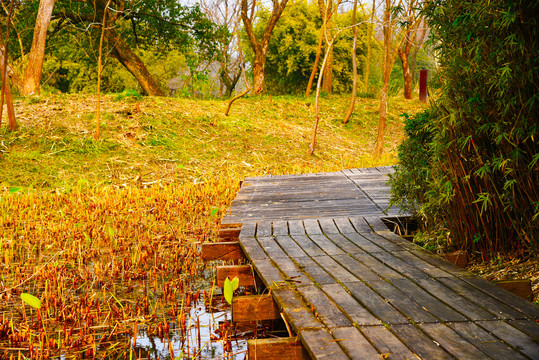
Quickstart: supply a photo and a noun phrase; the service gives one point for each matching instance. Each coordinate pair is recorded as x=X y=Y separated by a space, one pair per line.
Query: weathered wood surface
x=350 y=289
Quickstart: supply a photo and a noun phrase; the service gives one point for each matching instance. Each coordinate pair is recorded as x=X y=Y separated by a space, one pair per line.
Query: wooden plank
x=402 y=302
x=335 y=269
x=440 y=263
x=354 y=266
x=327 y=245
x=484 y=341
x=296 y=227
x=354 y=343
x=269 y=273
x=345 y=244
x=298 y=315
x=383 y=243
x=321 y=345
x=376 y=224
x=375 y=303
x=244 y=273
x=328 y=226
x=529 y=327
x=290 y=247
x=420 y=343
x=377 y=266
x=315 y=271
x=325 y=309
x=421 y=264
x=248 y=229
x=479 y=298
x=252 y=249
x=254 y=308
x=271 y=247
x=512 y=336
x=516 y=302
x=344 y=225
x=312 y=227
x=308 y=245
x=360 y=225
x=362 y=242
x=276 y=348
x=399 y=265
x=280 y=228
x=264 y=229
x=522 y=288
x=455 y=344
x=455 y=300
x=387 y=343
x=292 y=273
x=229 y=234
x=353 y=310
x=429 y=302
x=221 y=251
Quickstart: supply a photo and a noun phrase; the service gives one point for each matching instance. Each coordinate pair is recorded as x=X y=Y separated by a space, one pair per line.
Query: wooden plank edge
x=254 y=308
x=243 y=272
x=276 y=348
x=229 y=250
x=522 y=288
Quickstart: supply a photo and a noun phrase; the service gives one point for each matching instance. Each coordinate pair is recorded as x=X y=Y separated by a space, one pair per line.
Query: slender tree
x=354 y=68
x=6 y=91
x=260 y=47
x=32 y=77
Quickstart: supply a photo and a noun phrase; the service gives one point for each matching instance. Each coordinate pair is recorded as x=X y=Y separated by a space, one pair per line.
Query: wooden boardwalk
x=351 y=289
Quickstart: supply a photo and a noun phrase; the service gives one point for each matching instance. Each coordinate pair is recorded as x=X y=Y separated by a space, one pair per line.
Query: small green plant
x=31 y=300
x=230 y=286
x=128 y=94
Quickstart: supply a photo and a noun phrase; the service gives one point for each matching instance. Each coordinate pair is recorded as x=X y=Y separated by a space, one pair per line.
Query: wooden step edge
x=522 y=288
x=459 y=258
x=231 y=225
x=276 y=348
x=229 y=234
x=243 y=272
x=254 y=308
x=226 y=250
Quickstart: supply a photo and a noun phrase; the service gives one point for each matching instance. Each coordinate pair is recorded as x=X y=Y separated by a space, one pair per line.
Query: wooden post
x=423 y=74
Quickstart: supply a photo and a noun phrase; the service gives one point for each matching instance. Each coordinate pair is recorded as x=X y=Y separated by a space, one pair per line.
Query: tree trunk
x=368 y=61
x=316 y=61
x=32 y=77
x=388 y=64
x=327 y=84
x=11 y=73
x=259 y=65
x=407 y=73
x=260 y=48
x=354 y=68
x=132 y=63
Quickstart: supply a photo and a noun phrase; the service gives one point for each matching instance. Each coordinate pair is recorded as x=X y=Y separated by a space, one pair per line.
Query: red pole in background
x=423 y=85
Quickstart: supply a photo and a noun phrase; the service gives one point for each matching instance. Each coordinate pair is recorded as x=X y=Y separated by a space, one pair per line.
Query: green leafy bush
x=412 y=175
x=483 y=170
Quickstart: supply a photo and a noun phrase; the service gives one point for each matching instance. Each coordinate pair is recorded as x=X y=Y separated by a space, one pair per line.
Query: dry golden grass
x=105 y=232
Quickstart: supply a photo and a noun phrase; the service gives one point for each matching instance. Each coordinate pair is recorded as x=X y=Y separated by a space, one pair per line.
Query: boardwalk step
x=243 y=272
x=276 y=348
x=254 y=308
x=229 y=250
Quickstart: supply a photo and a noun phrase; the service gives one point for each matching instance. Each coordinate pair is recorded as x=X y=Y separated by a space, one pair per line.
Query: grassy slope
x=176 y=140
